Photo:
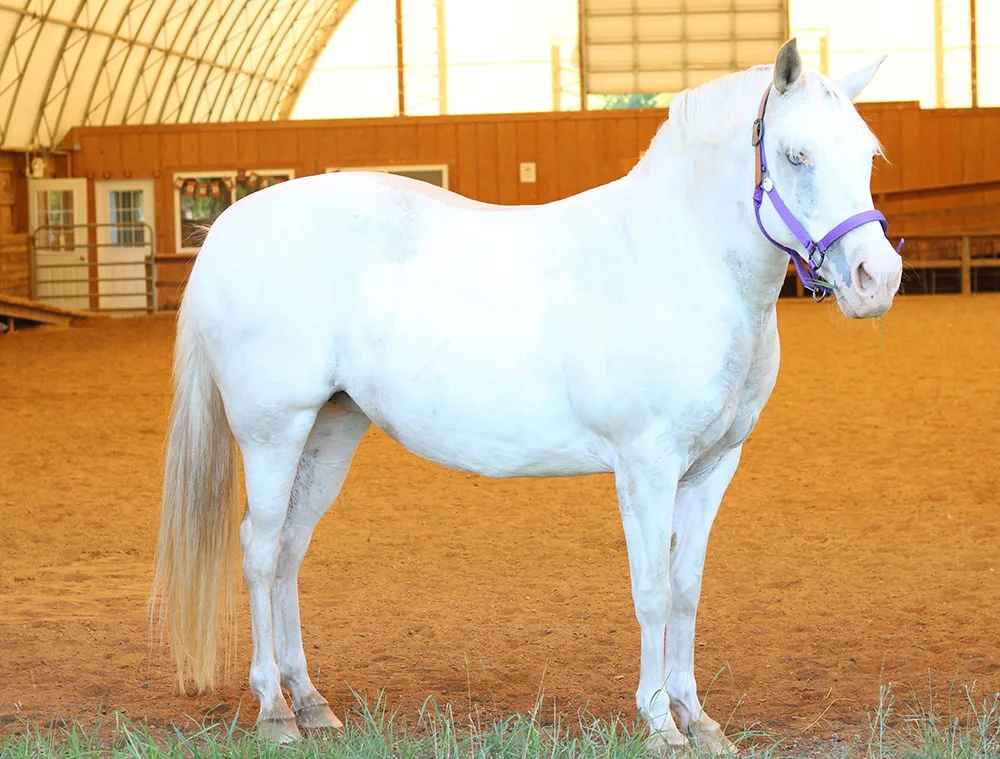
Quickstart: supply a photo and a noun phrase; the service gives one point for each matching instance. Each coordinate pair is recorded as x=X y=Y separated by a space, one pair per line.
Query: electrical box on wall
x=528 y=173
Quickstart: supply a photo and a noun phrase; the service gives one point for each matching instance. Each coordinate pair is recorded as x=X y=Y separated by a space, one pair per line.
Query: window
x=253 y=182
x=203 y=196
x=55 y=212
x=125 y=209
x=629 y=100
x=433 y=174
x=202 y=200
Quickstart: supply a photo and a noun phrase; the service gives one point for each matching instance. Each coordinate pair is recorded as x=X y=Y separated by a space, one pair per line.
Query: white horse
x=629 y=329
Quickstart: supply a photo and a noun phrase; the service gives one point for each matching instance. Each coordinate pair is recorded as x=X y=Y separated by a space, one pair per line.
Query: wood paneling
x=406 y=143
x=171 y=273
x=13 y=194
x=467 y=164
x=246 y=146
x=547 y=165
x=567 y=158
x=571 y=151
x=15 y=265
x=509 y=160
x=487 y=163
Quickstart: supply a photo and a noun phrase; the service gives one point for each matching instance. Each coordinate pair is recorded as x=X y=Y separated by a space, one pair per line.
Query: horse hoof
x=716 y=745
x=659 y=745
x=317 y=717
x=278 y=730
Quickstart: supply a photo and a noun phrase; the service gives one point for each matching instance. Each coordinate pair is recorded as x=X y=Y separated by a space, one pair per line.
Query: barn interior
x=851 y=550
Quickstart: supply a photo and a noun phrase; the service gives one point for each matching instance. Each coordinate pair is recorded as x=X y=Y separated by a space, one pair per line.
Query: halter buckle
x=758 y=132
x=822 y=258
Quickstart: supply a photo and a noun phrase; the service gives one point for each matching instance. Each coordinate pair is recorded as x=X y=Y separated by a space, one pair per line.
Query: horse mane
x=703 y=116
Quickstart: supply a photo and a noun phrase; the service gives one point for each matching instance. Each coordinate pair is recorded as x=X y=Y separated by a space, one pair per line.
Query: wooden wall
x=929 y=152
x=934 y=147
x=15 y=262
x=13 y=193
x=15 y=265
x=572 y=151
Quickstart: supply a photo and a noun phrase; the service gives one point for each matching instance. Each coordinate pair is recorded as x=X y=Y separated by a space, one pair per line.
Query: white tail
x=197 y=564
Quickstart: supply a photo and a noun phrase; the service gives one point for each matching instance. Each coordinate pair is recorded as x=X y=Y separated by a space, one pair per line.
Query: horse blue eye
x=795 y=157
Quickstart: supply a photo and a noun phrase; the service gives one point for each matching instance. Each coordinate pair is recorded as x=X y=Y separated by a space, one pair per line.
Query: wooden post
x=973 y=55
x=32 y=267
x=556 y=78
x=581 y=56
x=966 y=266
x=150 y=284
x=442 y=41
x=939 y=93
x=400 y=84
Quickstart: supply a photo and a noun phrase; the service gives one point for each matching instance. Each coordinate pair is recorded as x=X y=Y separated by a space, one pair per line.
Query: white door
x=124 y=241
x=58 y=212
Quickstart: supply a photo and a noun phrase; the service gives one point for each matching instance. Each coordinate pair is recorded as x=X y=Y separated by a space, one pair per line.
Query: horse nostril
x=864 y=282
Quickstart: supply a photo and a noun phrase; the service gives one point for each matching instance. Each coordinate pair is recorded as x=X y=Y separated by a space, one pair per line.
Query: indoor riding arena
x=856 y=551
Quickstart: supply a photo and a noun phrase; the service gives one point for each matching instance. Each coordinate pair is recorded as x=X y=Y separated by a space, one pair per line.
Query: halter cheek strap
x=807 y=265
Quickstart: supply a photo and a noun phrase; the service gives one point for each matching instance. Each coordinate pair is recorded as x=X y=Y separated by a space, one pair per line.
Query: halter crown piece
x=806 y=265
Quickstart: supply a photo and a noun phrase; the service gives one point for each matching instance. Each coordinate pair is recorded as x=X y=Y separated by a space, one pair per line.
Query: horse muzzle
x=876 y=271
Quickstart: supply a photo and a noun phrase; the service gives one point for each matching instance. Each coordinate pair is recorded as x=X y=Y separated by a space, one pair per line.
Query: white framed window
x=201 y=196
x=126 y=207
x=55 y=212
x=436 y=173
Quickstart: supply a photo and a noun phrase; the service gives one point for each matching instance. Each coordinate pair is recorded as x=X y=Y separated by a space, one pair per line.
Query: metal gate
x=112 y=272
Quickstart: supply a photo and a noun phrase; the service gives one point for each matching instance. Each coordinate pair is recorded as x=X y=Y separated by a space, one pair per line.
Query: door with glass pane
x=58 y=216
x=124 y=242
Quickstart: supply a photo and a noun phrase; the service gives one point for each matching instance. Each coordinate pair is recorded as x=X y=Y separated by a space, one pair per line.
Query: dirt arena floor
x=858 y=544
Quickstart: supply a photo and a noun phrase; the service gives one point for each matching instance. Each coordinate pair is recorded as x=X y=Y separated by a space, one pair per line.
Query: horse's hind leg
x=271 y=451
x=321 y=473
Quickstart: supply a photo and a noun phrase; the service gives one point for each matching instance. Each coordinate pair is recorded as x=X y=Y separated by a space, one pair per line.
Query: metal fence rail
x=927 y=255
x=70 y=282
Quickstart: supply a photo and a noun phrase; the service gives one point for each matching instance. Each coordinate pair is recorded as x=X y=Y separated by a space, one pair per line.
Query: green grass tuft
x=968 y=730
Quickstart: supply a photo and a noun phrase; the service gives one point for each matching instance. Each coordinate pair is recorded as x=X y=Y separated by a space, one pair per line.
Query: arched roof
x=66 y=63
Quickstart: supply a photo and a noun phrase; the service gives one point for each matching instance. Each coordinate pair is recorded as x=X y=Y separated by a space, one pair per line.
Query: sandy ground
x=858 y=544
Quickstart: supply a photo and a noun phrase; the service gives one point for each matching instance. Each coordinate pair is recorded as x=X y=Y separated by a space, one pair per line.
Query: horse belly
x=498 y=457
x=489 y=436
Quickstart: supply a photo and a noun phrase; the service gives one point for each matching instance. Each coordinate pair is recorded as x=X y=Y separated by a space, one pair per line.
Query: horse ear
x=787 y=66
x=853 y=83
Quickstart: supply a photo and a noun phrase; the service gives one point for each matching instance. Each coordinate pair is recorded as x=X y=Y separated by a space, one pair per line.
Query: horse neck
x=705 y=193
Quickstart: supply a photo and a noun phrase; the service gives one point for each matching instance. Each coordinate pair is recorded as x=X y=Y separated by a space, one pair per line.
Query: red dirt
x=858 y=543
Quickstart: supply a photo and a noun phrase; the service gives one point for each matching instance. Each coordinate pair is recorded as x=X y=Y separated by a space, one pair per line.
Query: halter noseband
x=806 y=265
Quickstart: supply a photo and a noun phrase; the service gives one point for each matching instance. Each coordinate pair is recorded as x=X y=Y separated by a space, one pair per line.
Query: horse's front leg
x=647 y=486
x=695 y=508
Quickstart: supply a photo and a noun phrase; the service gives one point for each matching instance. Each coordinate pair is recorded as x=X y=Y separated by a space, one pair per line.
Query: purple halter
x=806 y=265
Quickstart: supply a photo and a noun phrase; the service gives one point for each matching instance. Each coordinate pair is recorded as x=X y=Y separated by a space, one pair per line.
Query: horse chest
x=756 y=391
x=743 y=388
